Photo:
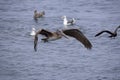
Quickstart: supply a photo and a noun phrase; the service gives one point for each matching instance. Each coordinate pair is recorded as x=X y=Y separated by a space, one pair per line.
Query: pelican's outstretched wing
x=44 y=32
x=103 y=32
x=35 y=42
x=77 y=34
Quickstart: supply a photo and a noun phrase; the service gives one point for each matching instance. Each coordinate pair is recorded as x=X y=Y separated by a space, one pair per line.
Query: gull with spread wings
x=112 y=34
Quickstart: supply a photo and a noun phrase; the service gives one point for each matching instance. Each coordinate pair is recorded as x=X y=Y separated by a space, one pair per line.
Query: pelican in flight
x=38 y=15
x=68 y=22
x=112 y=34
x=75 y=33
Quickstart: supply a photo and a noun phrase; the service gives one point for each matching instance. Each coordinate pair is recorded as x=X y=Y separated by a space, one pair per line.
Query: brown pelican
x=38 y=15
x=75 y=33
x=66 y=22
x=112 y=34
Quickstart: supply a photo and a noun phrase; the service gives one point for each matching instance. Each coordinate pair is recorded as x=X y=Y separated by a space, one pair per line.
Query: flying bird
x=75 y=33
x=68 y=22
x=112 y=34
x=78 y=35
x=38 y=15
x=49 y=36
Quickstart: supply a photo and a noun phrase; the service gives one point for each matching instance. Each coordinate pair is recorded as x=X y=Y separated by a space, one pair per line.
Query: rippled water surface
x=61 y=59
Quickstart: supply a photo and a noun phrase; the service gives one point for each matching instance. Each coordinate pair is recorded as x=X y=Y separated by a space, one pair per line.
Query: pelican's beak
x=64 y=35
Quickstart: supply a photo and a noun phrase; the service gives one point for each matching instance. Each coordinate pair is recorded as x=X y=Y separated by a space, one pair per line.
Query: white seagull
x=66 y=22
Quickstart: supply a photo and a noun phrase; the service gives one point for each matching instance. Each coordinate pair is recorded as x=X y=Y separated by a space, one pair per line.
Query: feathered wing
x=79 y=36
x=116 y=29
x=35 y=42
x=103 y=32
x=71 y=21
x=44 y=32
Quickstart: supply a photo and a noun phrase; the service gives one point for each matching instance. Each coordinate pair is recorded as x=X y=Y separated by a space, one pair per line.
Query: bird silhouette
x=112 y=34
x=38 y=15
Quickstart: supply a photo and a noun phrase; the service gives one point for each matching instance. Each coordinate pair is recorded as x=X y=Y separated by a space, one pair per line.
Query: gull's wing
x=103 y=32
x=70 y=21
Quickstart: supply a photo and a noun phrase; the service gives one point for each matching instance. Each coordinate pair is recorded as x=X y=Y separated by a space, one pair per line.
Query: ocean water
x=61 y=59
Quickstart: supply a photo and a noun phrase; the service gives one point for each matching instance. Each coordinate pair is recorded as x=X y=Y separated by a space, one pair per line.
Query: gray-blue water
x=61 y=59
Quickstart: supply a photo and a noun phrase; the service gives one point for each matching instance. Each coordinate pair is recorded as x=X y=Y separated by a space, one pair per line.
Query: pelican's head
x=60 y=32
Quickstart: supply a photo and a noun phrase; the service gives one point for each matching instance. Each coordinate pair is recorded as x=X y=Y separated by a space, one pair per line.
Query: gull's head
x=35 y=11
x=43 y=12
